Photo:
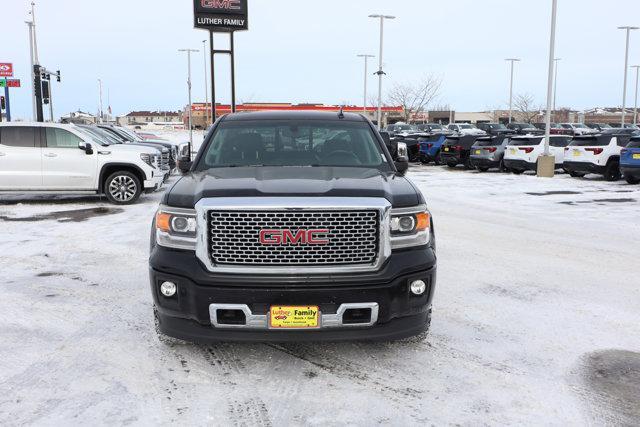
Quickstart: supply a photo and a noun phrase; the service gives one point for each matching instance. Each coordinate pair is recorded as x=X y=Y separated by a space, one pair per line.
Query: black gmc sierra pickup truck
x=293 y=227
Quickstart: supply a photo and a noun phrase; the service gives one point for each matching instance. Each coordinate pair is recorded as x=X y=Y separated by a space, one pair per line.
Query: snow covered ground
x=536 y=321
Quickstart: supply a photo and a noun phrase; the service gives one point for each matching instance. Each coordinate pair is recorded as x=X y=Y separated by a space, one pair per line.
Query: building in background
x=142 y=118
x=79 y=117
x=612 y=116
x=199 y=111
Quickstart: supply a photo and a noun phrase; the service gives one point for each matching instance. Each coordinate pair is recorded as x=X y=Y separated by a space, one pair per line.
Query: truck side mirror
x=184 y=165
x=86 y=147
x=402 y=159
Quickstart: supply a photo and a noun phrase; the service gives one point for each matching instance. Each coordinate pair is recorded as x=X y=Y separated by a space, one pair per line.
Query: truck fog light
x=418 y=287
x=168 y=289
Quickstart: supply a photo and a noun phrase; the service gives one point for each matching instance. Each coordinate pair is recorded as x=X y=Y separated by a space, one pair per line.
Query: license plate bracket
x=294 y=317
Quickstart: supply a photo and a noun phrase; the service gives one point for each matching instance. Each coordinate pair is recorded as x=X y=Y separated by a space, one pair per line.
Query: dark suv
x=457 y=150
x=495 y=128
x=293 y=226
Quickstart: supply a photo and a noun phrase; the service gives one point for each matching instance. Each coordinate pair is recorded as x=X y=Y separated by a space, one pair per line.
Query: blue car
x=630 y=161
x=430 y=148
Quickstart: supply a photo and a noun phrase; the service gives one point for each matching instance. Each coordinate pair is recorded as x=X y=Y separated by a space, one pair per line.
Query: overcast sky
x=305 y=51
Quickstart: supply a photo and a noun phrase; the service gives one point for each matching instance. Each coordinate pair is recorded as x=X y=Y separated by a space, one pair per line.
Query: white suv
x=523 y=151
x=466 y=129
x=579 y=128
x=599 y=154
x=60 y=158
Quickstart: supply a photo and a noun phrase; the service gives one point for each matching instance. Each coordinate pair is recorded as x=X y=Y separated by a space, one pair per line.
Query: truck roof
x=294 y=115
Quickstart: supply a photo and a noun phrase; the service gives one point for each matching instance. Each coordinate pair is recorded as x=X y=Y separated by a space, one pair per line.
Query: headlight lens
x=410 y=227
x=147 y=158
x=176 y=228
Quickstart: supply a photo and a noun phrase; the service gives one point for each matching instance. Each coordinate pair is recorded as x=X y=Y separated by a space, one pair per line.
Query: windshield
x=526 y=141
x=466 y=126
x=133 y=135
x=293 y=143
x=405 y=127
x=99 y=134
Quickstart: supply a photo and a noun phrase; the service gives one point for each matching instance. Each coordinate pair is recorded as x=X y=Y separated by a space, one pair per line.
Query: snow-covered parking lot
x=536 y=321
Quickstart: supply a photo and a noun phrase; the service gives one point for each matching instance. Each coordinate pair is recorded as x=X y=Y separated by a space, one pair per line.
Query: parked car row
x=68 y=158
x=612 y=153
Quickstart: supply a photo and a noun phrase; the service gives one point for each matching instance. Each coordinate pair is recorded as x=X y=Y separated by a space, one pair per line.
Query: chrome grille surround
x=294 y=213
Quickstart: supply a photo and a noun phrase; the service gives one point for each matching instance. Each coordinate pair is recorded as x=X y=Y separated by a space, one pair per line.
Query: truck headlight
x=410 y=227
x=176 y=228
x=147 y=158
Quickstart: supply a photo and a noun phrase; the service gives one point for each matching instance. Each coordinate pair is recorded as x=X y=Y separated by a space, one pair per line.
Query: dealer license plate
x=576 y=153
x=478 y=151
x=513 y=151
x=446 y=148
x=636 y=156
x=294 y=317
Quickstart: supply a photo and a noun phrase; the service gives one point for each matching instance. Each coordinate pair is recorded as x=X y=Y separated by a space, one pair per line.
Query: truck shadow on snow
x=78 y=215
x=608 y=381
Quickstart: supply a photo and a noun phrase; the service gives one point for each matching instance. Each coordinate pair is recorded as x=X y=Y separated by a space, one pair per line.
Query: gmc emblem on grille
x=299 y=237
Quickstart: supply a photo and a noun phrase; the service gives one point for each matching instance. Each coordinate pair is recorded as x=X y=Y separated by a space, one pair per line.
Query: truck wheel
x=122 y=188
x=612 y=172
x=632 y=180
x=482 y=169
x=517 y=171
x=576 y=174
x=452 y=165
x=438 y=159
x=165 y=339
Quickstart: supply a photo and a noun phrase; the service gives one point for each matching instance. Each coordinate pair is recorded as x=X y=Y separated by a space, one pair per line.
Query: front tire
x=576 y=174
x=122 y=188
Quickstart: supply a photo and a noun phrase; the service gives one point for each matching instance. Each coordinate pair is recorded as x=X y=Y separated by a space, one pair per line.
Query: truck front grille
x=235 y=237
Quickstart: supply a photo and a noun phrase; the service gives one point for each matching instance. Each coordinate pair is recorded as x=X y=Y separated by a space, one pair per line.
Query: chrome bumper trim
x=261 y=321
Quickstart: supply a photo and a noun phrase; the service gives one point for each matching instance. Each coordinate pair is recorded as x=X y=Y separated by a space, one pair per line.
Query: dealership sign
x=6 y=69
x=10 y=82
x=221 y=15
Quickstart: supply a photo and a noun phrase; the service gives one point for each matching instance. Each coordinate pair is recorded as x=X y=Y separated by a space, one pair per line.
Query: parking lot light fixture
x=189 y=89
x=380 y=72
x=626 y=68
x=512 y=61
x=635 y=104
x=366 y=77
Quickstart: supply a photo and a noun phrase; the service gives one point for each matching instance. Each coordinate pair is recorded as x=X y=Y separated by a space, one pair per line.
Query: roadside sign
x=221 y=15
x=6 y=69
x=10 y=82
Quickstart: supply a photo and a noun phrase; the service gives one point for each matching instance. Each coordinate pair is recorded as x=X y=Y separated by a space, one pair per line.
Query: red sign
x=10 y=82
x=6 y=69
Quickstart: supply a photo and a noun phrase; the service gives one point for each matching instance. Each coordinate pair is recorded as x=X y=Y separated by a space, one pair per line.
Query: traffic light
x=45 y=91
x=58 y=75
x=3 y=105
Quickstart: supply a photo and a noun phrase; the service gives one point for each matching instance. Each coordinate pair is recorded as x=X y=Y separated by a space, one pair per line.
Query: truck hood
x=292 y=182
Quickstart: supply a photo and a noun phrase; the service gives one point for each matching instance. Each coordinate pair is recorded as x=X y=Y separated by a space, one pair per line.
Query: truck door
x=64 y=165
x=20 y=158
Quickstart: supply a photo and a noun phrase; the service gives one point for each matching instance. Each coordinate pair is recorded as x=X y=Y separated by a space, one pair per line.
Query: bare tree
x=525 y=109
x=415 y=97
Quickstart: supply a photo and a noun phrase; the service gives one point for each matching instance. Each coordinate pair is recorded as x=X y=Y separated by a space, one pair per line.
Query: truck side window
x=60 y=138
x=18 y=136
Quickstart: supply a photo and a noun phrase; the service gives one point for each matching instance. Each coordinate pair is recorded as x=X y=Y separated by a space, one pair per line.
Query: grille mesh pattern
x=234 y=238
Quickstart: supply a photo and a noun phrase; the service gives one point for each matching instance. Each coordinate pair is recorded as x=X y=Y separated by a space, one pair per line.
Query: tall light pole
x=366 y=77
x=380 y=72
x=555 y=84
x=635 y=105
x=206 y=81
x=512 y=61
x=546 y=162
x=100 y=99
x=189 y=89
x=626 y=68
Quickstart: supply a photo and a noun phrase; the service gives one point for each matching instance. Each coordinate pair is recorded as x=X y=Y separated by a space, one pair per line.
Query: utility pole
x=380 y=72
x=100 y=100
x=512 y=60
x=635 y=105
x=189 y=89
x=34 y=89
x=206 y=79
x=366 y=77
x=626 y=68
x=546 y=162
x=555 y=85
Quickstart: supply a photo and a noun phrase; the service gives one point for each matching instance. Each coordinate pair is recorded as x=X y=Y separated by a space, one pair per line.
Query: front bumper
x=583 y=167
x=155 y=182
x=187 y=315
